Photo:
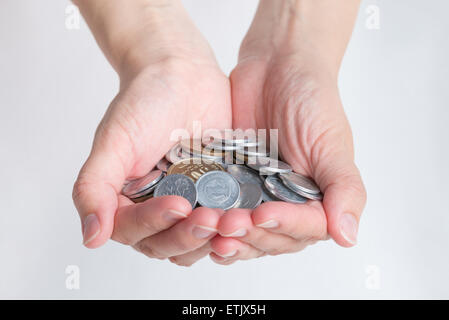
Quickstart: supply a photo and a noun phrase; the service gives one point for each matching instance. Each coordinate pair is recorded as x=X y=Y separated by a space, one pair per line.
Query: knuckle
x=79 y=188
x=282 y=249
x=167 y=201
x=145 y=219
x=260 y=237
x=356 y=186
x=321 y=229
x=121 y=238
x=301 y=245
x=363 y=193
x=149 y=251
x=180 y=262
x=181 y=243
x=275 y=251
x=359 y=190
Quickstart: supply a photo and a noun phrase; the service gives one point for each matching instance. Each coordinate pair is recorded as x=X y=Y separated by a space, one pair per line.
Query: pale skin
x=285 y=79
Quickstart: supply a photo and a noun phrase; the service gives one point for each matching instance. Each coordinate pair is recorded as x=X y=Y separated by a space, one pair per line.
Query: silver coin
x=177 y=185
x=279 y=190
x=163 y=165
x=142 y=186
x=217 y=189
x=300 y=182
x=175 y=153
x=266 y=195
x=240 y=158
x=318 y=196
x=223 y=164
x=228 y=159
x=235 y=137
x=311 y=196
x=260 y=151
x=221 y=146
x=236 y=142
x=145 y=192
x=275 y=166
x=243 y=174
x=205 y=156
x=192 y=148
x=262 y=163
x=250 y=196
x=185 y=155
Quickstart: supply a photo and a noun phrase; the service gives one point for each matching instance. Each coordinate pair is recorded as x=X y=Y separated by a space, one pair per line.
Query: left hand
x=293 y=88
x=315 y=139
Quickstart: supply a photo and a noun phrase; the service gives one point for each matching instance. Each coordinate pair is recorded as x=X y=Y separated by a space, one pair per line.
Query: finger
x=189 y=258
x=244 y=80
x=95 y=196
x=304 y=222
x=185 y=236
x=344 y=199
x=135 y=222
x=237 y=223
x=228 y=250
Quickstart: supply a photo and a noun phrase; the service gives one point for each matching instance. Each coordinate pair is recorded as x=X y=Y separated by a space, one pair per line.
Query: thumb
x=344 y=200
x=95 y=195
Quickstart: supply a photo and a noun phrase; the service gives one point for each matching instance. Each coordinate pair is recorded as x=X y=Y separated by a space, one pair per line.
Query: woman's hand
x=286 y=79
x=169 y=79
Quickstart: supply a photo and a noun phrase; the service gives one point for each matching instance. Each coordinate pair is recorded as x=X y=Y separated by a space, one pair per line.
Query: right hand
x=165 y=85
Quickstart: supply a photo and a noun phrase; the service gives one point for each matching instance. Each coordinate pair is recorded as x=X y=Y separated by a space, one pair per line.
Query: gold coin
x=194 y=168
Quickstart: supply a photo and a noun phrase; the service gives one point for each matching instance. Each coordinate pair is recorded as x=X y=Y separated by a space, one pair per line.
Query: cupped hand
x=298 y=96
x=162 y=88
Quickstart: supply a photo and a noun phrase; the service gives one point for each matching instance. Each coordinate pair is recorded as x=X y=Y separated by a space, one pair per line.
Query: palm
x=158 y=101
x=311 y=123
x=314 y=138
x=135 y=134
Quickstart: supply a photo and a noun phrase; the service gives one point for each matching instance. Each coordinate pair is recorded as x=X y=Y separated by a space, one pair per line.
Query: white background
x=55 y=85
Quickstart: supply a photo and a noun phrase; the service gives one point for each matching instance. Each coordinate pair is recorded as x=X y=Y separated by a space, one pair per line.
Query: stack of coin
x=141 y=189
x=223 y=173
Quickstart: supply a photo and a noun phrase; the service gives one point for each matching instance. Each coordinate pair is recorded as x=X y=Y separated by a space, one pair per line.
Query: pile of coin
x=231 y=172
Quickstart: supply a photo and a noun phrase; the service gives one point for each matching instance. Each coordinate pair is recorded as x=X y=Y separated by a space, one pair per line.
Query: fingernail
x=269 y=224
x=228 y=255
x=237 y=233
x=91 y=228
x=173 y=215
x=349 y=227
x=202 y=232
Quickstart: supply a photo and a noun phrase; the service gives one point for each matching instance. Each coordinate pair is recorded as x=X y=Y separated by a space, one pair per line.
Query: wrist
x=133 y=36
x=315 y=32
x=150 y=36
